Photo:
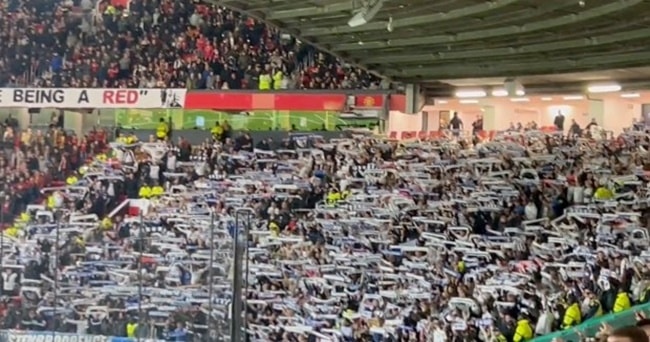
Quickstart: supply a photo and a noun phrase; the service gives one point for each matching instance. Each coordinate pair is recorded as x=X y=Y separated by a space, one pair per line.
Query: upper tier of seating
x=145 y=43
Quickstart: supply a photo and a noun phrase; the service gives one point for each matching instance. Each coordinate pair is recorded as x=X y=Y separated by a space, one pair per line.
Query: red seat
x=392 y=135
x=434 y=135
x=133 y=211
x=423 y=135
x=548 y=129
x=408 y=135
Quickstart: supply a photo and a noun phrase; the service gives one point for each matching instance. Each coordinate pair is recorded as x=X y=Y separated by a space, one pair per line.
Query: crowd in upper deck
x=158 y=43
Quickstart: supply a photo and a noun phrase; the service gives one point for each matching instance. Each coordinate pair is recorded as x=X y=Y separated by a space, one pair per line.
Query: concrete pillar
x=597 y=111
x=490 y=118
x=414 y=99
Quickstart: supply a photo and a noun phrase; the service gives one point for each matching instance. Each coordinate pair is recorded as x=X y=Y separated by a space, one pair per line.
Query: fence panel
x=591 y=327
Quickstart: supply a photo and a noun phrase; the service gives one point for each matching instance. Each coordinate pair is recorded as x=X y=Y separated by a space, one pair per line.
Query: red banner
x=248 y=101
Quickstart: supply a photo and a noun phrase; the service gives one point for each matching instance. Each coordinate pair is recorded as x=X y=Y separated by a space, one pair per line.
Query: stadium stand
x=353 y=239
x=523 y=235
x=146 y=44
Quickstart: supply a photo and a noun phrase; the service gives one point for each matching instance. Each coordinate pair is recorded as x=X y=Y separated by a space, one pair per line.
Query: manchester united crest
x=368 y=101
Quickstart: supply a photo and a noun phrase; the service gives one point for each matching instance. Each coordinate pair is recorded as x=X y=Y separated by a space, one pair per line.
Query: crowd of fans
x=355 y=239
x=158 y=43
x=33 y=159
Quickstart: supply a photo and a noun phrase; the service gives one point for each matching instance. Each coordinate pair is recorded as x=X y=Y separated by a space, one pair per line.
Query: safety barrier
x=591 y=327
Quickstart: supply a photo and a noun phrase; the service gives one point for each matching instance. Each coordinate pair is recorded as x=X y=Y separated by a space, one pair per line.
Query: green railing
x=591 y=327
x=252 y=121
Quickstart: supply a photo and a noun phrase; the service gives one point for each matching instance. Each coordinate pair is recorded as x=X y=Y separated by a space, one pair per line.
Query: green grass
x=255 y=121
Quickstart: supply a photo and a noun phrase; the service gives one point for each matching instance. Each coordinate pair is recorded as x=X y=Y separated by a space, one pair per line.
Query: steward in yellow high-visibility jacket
x=277 y=80
x=24 y=217
x=144 y=192
x=51 y=201
x=265 y=81
x=157 y=191
x=131 y=329
x=572 y=316
x=622 y=302
x=216 y=131
x=131 y=139
x=603 y=194
x=162 y=130
x=71 y=180
x=333 y=197
x=274 y=228
x=461 y=267
x=523 y=331
x=107 y=223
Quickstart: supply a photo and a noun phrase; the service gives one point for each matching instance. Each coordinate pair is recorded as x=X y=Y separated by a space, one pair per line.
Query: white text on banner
x=92 y=98
x=26 y=336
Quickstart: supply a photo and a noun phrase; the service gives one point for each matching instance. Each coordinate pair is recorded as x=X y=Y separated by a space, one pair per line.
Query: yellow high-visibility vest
x=622 y=302
x=333 y=197
x=24 y=217
x=265 y=82
x=161 y=131
x=216 y=131
x=277 y=80
x=157 y=191
x=144 y=192
x=130 y=329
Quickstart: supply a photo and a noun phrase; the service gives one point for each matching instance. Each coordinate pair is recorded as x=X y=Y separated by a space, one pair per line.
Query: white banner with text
x=92 y=98
x=42 y=336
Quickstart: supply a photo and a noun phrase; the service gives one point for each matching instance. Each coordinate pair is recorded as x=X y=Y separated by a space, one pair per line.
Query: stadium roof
x=440 y=42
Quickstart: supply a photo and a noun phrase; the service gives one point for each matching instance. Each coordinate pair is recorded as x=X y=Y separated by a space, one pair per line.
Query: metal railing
x=228 y=327
x=591 y=327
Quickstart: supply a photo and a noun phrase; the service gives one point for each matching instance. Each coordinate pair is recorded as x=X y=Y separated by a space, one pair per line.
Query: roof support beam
x=311 y=11
x=511 y=68
x=469 y=23
x=413 y=21
x=496 y=32
x=621 y=37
